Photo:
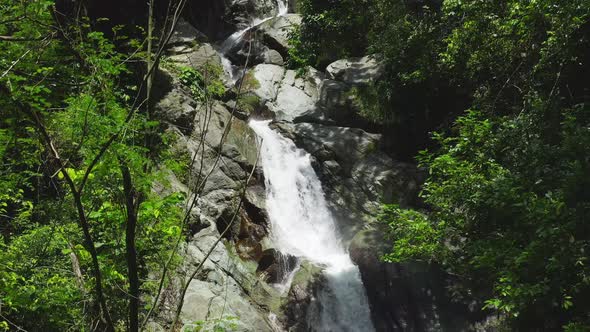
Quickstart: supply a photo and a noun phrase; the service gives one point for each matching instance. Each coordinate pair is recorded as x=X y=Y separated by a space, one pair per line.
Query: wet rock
x=274 y=267
x=248 y=50
x=252 y=230
x=249 y=249
x=256 y=194
x=301 y=294
x=242 y=11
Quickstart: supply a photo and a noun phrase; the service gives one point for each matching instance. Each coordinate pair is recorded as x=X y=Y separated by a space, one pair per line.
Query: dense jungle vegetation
x=503 y=88
x=80 y=224
x=490 y=97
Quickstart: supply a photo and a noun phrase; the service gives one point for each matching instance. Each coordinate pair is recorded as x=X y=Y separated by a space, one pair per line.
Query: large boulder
x=413 y=297
x=178 y=109
x=185 y=34
x=339 y=100
x=276 y=31
x=199 y=56
x=261 y=41
x=272 y=57
x=248 y=12
x=301 y=297
x=284 y=92
x=221 y=291
x=357 y=71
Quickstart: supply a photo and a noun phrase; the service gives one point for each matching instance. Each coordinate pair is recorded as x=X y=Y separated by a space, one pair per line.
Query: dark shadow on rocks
x=275 y=266
x=412 y=297
x=209 y=17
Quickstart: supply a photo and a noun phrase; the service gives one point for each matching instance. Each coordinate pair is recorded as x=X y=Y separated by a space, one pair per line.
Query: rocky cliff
x=237 y=286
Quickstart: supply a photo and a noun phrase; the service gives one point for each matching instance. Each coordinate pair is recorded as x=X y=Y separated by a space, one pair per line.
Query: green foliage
x=34 y=284
x=203 y=86
x=507 y=204
x=76 y=84
x=330 y=30
x=443 y=57
x=227 y=323
x=249 y=102
x=412 y=234
x=509 y=210
x=249 y=82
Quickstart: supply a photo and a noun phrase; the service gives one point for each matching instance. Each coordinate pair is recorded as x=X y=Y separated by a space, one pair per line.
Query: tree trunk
x=131 y=252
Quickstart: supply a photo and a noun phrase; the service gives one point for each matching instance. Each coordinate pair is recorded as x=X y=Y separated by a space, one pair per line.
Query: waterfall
x=234 y=39
x=302 y=226
x=283 y=7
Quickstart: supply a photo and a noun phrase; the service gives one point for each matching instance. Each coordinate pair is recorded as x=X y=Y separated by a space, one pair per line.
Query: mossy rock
x=243 y=138
x=306 y=274
x=250 y=82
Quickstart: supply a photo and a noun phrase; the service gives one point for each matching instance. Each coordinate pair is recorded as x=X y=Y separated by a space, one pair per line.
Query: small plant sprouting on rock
x=226 y=323
x=202 y=84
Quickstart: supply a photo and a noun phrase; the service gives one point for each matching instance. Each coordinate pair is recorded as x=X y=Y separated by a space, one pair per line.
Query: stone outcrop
x=319 y=113
x=356 y=71
x=221 y=150
x=275 y=32
x=197 y=56
x=414 y=297
x=185 y=34
x=356 y=174
x=264 y=43
x=283 y=92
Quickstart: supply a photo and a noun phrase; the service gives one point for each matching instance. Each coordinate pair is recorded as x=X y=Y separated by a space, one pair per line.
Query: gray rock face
x=244 y=10
x=357 y=176
x=337 y=103
x=413 y=297
x=197 y=57
x=223 y=152
x=276 y=32
x=356 y=71
x=301 y=299
x=177 y=109
x=185 y=34
x=285 y=94
x=222 y=290
x=273 y=57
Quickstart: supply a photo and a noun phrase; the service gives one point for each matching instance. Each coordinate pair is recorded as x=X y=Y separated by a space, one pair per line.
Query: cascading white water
x=236 y=38
x=283 y=7
x=302 y=226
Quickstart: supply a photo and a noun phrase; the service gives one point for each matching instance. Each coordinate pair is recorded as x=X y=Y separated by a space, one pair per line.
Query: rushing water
x=302 y=226
x=236 y=38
